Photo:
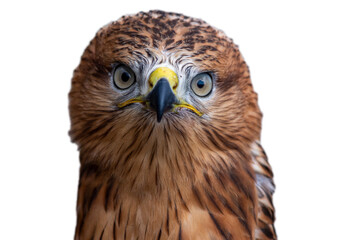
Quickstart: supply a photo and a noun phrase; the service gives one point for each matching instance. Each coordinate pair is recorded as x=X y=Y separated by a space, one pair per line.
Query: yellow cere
x=164 y=72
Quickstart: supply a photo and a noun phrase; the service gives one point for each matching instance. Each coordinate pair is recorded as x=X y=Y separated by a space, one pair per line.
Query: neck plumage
x=155 y=190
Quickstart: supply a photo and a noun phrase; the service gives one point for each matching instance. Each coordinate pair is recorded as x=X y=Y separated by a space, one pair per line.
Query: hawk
x=168 y=127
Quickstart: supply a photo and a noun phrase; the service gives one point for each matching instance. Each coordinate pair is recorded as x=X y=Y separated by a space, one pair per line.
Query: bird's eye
x=123 y=77
x=202 y=84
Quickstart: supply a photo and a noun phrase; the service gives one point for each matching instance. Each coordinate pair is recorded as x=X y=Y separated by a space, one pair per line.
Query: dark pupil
x=125 y=76
x=200 y=84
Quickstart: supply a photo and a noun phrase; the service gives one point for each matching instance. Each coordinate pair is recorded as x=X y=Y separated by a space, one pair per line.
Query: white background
x=304 y=59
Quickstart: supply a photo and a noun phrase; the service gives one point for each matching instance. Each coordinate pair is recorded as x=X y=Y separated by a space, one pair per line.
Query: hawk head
x=163 y=75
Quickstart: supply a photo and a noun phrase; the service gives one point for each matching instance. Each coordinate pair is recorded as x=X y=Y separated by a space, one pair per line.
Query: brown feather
x=187 y=177
x=265 y=188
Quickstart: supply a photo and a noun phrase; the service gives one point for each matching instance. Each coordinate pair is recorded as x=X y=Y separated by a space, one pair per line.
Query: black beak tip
x=159 y=116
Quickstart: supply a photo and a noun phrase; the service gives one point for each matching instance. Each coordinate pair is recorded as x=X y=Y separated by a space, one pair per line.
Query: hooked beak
x=163 y=83
x=161 y=98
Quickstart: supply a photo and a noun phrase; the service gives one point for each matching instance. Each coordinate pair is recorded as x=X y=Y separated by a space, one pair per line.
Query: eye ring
x=123 y=77
x=202 y=84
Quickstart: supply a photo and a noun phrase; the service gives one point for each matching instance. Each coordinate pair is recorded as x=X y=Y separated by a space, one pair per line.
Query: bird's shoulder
x=265 y=188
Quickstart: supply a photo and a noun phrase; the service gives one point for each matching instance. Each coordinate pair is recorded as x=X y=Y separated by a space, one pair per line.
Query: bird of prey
x=168 y=128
